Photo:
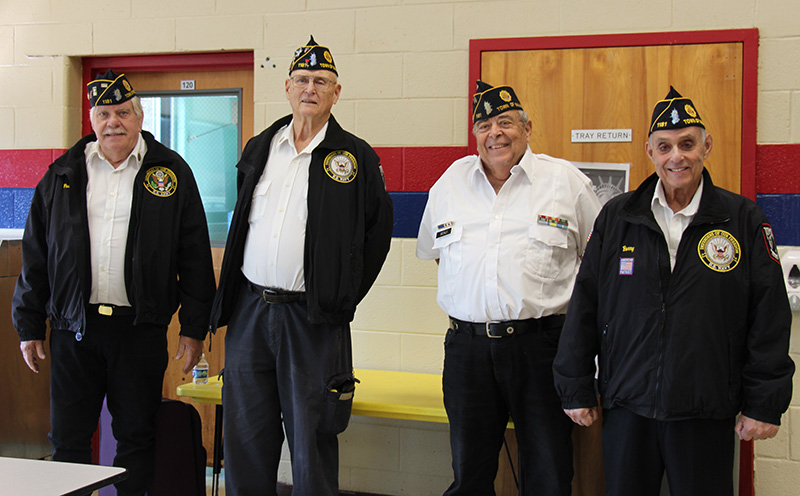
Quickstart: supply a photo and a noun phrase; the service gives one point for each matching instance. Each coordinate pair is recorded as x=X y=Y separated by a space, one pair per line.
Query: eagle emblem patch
x=160 y=181
x=341 y=166
x=719 y=251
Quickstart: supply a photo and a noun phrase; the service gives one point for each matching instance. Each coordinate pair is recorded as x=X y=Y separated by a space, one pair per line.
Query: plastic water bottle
x=200 y=371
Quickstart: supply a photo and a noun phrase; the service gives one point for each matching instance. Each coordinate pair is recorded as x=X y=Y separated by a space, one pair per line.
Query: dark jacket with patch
x=697 y=342
x=348 y=230
x=167 y=256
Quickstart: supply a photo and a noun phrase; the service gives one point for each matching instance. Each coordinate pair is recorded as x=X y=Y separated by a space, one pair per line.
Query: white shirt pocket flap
x=261 y=188
x=446 y=236
x=549 y=235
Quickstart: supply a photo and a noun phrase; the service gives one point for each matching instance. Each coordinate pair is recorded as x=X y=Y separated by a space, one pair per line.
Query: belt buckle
x=267 y=294
x=105 y=310
x=489 y=333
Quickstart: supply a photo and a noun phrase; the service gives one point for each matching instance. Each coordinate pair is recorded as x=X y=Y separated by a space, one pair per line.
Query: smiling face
x=678 y=156
x=502 y=139
x=117 y=128
x=309 y=101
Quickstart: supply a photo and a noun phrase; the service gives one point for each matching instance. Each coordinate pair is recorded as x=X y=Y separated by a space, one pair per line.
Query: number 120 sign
x=187 y=84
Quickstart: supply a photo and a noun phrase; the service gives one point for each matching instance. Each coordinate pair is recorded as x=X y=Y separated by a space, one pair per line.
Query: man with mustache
x=109 y=278
x=508 y=228
x=680 y=298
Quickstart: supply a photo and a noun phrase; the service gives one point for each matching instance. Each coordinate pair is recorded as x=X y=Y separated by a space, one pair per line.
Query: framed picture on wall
x=608 y=180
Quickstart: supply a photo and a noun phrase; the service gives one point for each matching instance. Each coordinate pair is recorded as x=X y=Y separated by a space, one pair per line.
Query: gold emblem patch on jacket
x=160 y=181
x=719 y=250
x=341 y=166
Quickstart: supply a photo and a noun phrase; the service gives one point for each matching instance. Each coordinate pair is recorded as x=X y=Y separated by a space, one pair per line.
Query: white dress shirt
x=514 y=254
x=673 y=224
x=275 y=247
x=109 y=193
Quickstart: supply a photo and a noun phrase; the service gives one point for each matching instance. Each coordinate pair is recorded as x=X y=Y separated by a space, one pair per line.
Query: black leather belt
x=111 y=310
x=507 y=327
x=275 y=295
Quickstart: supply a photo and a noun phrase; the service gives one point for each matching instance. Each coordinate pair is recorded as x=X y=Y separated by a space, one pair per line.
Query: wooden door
x=616 y=88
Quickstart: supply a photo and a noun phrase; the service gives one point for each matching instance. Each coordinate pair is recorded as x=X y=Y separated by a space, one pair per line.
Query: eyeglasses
x=320 y=83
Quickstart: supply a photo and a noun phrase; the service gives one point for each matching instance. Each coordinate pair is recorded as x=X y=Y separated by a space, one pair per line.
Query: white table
x=21 y=477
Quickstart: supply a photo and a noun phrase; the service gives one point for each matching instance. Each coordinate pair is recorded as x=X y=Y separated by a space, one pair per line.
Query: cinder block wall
x=403 y=65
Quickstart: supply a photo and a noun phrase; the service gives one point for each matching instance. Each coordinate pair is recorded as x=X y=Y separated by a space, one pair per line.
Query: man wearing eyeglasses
x=309 y=234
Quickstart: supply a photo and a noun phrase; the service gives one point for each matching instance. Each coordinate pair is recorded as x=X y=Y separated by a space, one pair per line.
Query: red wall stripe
x=416 y=168
x=778 y=169
x=24 y=168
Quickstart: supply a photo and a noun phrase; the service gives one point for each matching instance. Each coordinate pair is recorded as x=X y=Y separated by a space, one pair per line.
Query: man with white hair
x=680 y=298
x=116 y=239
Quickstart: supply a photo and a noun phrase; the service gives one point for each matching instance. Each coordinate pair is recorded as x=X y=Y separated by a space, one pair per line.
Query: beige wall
x=403 y=65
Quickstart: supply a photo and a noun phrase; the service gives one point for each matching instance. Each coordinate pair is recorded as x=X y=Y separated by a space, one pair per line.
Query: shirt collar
x=137 y=154
x=286 y=135
x=660 y=199
x=526 y=164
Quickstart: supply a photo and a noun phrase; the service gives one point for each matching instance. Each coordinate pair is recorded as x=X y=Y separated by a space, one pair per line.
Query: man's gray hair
x=523 y=116
x=137 y=108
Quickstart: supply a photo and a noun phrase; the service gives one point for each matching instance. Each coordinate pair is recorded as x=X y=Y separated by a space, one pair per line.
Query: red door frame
x=173 y=62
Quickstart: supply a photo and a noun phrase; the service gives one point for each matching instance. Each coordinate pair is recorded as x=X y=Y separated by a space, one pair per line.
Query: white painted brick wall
x=218 y=32
x=151 y=35
x=32 y=40
x=7 y=128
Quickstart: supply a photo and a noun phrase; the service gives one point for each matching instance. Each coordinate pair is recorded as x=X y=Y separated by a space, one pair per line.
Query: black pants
x=124 y=362
x=279 y=368
x=484 y=379
x=697 y=455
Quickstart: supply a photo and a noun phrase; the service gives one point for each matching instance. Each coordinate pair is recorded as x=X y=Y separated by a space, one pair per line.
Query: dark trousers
x=697 y=455
x=484 y=379
x=124 y=362
x=278 y=366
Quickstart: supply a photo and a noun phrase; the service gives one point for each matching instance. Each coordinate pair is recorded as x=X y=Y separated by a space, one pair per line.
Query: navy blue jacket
x=706 y=340
x=167 y=256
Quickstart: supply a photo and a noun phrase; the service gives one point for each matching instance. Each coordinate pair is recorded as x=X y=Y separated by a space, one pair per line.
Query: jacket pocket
x=547 y=250
x=450 y=248
x=338 y=406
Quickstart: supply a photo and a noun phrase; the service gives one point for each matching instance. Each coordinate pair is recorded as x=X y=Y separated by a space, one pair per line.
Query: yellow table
x=381 y=393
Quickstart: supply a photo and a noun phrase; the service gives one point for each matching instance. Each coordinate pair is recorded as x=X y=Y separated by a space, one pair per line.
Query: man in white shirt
x=309 y=234
x=116 y=240
x=508 y=228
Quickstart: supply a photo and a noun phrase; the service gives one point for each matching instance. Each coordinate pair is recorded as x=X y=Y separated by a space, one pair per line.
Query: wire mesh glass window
x=205 y=129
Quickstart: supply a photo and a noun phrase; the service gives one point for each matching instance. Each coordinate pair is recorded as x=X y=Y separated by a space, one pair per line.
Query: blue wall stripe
x=783 y=212
x=408 y=208
x=14 y=206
